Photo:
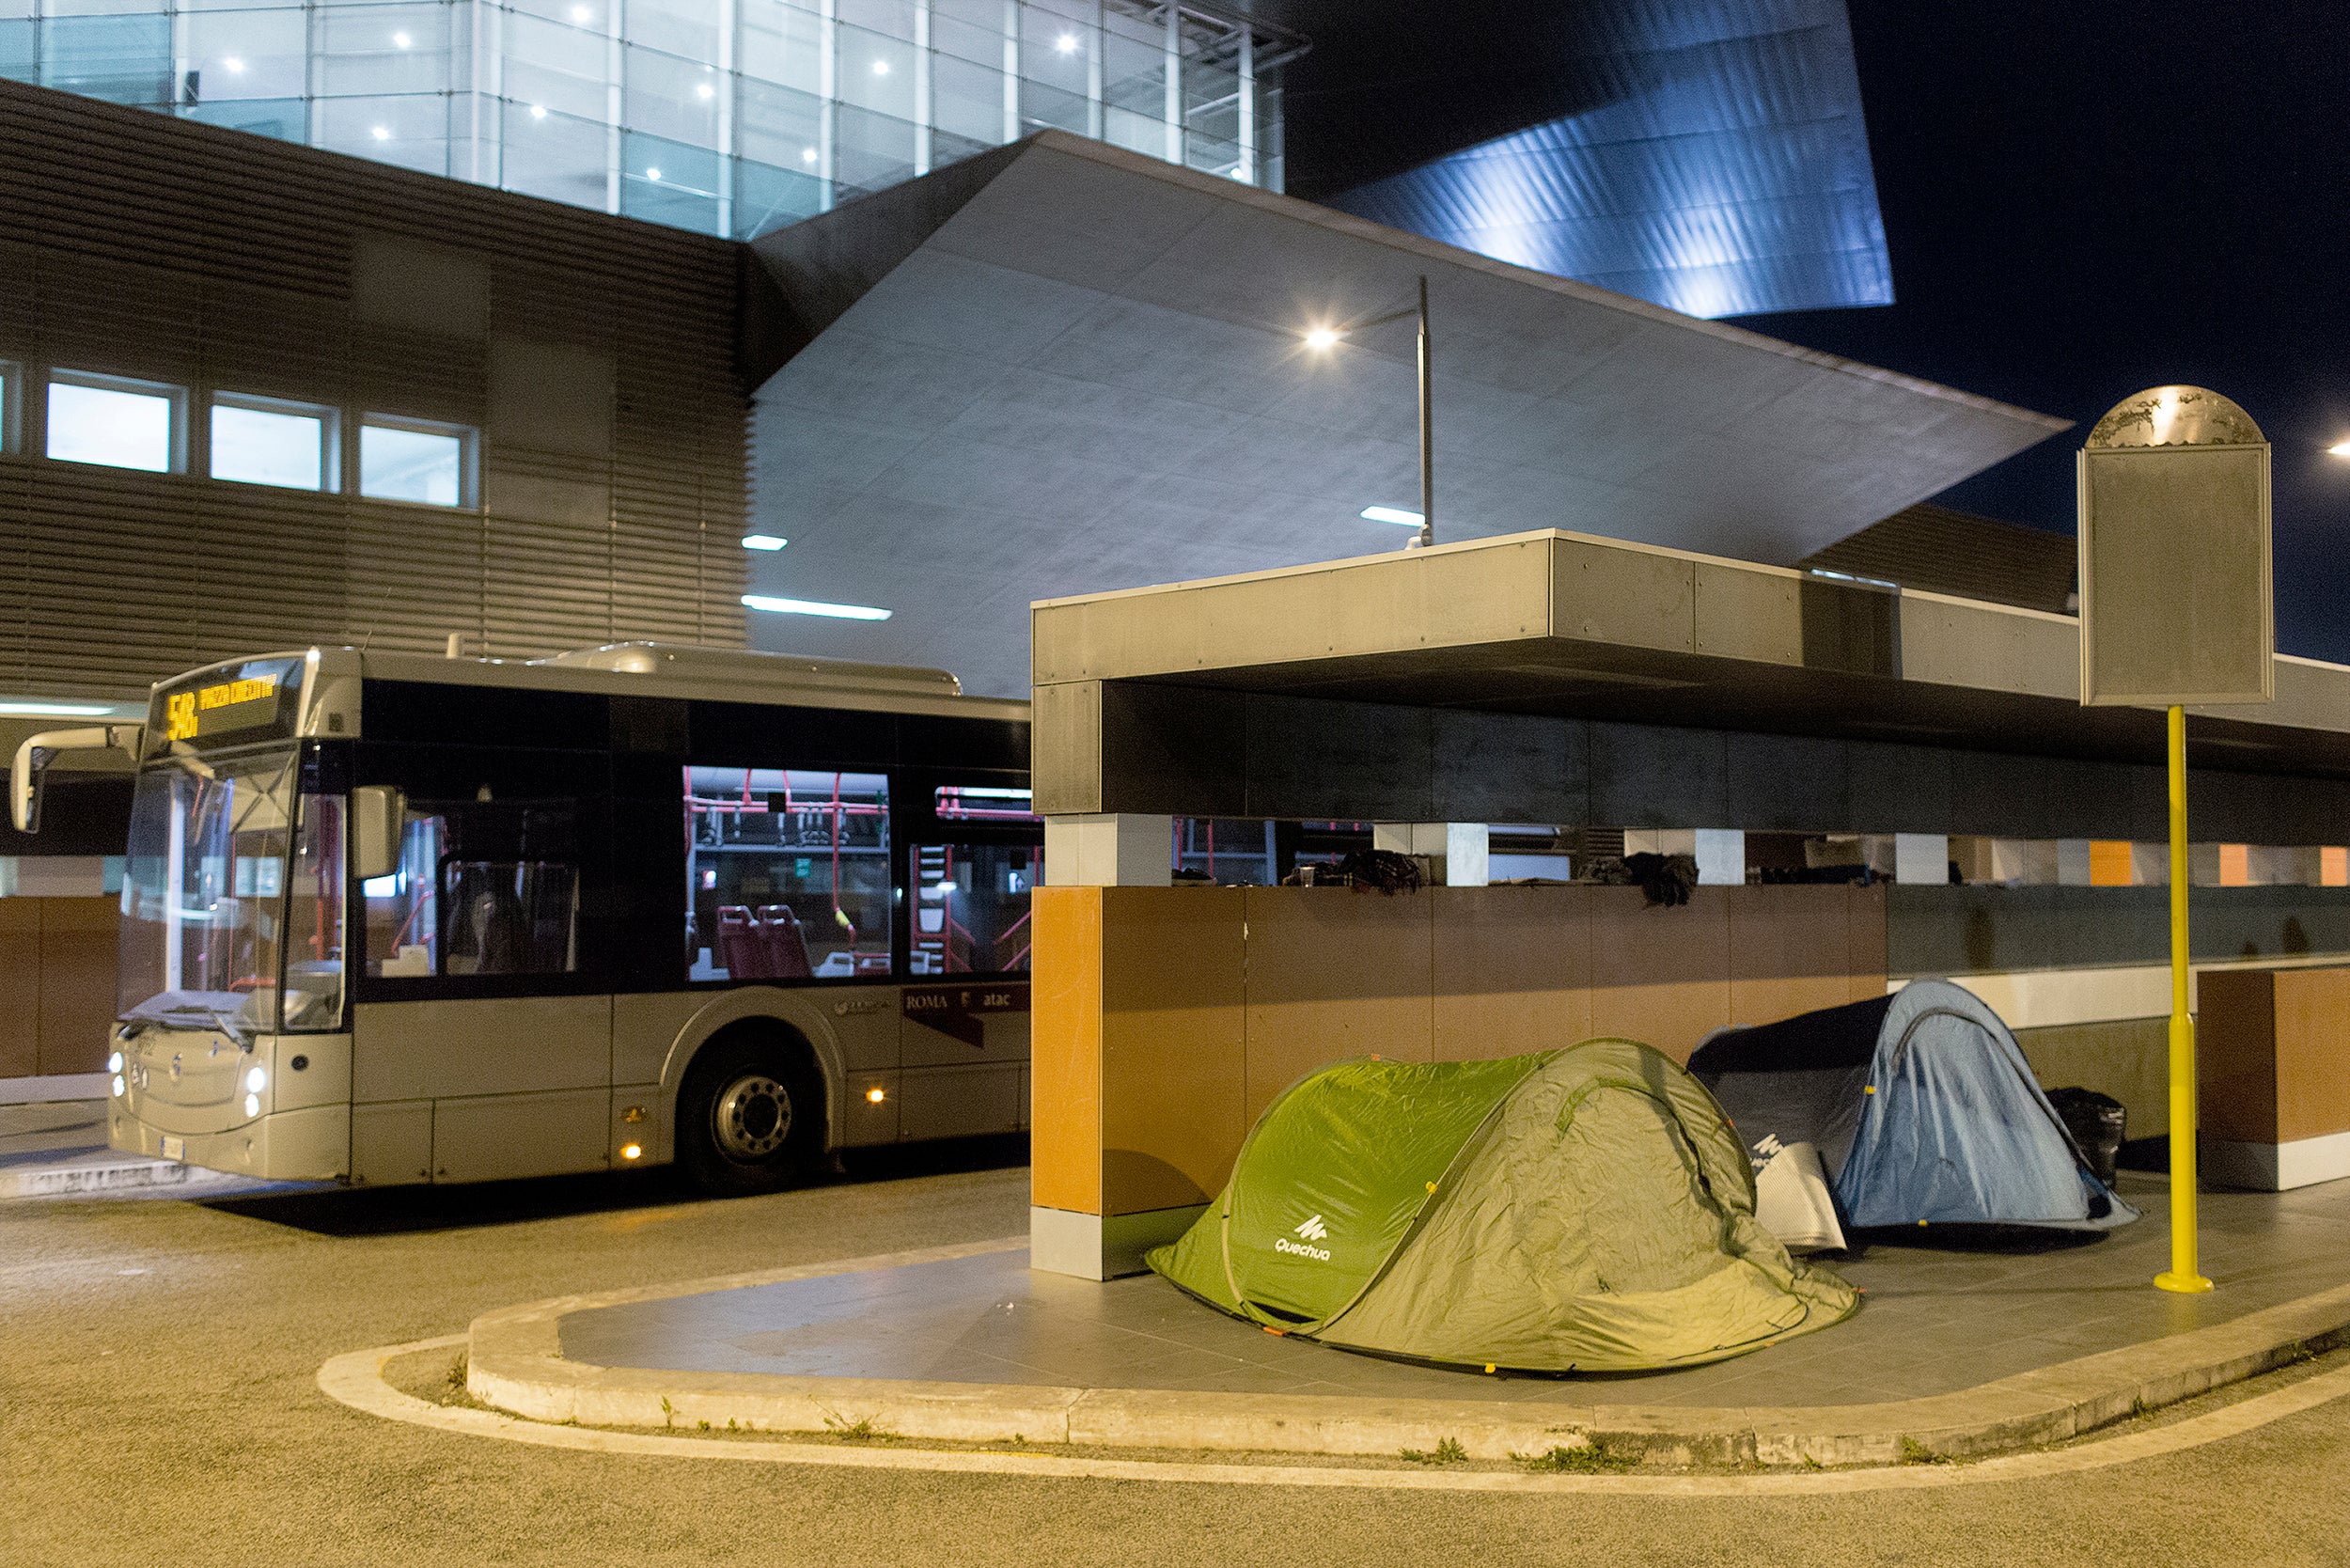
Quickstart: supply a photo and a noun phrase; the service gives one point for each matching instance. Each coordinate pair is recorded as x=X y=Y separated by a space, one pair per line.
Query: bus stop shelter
x=1560 y=679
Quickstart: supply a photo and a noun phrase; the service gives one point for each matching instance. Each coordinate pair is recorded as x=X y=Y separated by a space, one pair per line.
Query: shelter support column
x=1136 y=1044
x=1457 y=852
x=1719 y=852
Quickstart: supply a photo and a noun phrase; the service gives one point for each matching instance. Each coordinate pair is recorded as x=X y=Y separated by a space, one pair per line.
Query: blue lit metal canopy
x=1715 y=163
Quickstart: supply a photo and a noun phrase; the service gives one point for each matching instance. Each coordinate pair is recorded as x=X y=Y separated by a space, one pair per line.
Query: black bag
x=2097 y=1121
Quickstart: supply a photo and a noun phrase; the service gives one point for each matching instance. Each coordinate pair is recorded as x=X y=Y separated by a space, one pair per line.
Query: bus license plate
x=175 y=1148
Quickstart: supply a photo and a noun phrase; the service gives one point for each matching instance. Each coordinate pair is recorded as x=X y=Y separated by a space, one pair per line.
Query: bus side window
x=403 y=919
x=787 y=873
x=484 y=887
x=971 y=907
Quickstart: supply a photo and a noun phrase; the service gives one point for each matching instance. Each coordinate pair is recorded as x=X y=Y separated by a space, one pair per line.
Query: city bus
x=395 y=918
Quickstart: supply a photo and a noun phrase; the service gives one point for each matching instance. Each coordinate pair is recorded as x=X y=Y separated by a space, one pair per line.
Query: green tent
x=1584 y=1210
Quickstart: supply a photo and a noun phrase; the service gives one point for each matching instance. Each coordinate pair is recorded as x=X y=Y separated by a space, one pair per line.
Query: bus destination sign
x=248 y=697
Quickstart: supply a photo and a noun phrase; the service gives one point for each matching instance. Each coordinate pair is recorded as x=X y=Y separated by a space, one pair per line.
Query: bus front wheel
x=750 y=1116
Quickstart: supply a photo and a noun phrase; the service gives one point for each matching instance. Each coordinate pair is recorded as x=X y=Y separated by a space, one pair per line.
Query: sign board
x=2176 y=597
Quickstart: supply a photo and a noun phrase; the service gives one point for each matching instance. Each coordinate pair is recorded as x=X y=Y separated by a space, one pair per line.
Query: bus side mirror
x=379 y=814
x=31 y=767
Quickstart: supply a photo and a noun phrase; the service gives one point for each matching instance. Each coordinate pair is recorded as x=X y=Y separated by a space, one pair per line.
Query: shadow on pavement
x=394 y=1211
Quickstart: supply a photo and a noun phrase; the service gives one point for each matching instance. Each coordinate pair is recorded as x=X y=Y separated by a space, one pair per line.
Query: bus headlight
x=254 y=1080
x=117 y=1086
x=113 y=1064
x=252 y=1105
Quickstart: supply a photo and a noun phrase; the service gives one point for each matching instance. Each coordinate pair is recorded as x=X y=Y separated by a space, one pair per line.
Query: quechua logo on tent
x=1313 y=1231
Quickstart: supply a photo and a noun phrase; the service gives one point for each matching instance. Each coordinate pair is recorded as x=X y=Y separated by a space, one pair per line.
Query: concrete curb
x=64 y=1181
x=515 y=1363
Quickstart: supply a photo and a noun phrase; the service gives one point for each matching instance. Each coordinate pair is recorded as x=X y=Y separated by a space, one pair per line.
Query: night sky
x=2083 y=201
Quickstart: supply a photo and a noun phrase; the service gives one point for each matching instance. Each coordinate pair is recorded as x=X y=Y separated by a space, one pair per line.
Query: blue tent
x=1922 y=1106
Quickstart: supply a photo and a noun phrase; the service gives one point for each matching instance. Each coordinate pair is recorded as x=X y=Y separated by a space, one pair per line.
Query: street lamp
x=1325 y=338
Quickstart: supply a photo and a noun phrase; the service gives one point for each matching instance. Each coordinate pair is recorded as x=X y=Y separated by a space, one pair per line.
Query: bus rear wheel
x=750 y=1116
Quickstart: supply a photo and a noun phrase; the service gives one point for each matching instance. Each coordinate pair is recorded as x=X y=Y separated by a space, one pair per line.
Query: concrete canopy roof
x=1566 y=626
x=1060 y=367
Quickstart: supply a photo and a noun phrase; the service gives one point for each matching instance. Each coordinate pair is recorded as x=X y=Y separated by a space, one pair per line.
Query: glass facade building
x=725 y=117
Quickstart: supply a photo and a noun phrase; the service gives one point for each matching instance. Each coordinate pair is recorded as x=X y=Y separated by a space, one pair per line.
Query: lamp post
x=1325 y=338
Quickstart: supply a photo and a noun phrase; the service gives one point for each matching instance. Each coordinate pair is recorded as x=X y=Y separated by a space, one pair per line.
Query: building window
x=269 y=441
x=117 y=423
x=411 y=460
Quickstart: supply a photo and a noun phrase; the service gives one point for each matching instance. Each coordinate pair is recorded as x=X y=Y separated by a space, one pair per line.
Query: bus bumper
x=309 y=1144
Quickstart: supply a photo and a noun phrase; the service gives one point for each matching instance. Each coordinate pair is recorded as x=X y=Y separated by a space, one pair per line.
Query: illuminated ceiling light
x=703 y=89
x=1392 y=514
x=763 y=541
x=808 y=155
x=2340 y=449
x=235 y=66
x=1066 y=43
x=809 y=606
x=631 y=1151
x=381 y=133
x=652 y=174
x=1323 y=337
x=881 y=68
x=876 y=1095
x=399 y=40
x=56 y=709
x=581 y=13
x=538 y=111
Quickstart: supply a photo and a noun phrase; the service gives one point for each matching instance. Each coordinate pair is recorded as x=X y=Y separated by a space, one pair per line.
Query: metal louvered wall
x=596 y=355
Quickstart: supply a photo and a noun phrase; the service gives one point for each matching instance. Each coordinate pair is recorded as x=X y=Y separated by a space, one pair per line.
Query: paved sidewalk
x=1970 y=1343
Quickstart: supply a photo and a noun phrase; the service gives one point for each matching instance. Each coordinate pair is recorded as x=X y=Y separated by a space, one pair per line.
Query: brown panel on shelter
x=1660 y=973
x=1335 y=973
x=1790 y=951
x=1065 y=1051
x=1513 y=969
x=19 y=987
x=1865 y=950
x=77 y=982
x=2235 y=1049
x=1173 y=1045
x=2312 y=1032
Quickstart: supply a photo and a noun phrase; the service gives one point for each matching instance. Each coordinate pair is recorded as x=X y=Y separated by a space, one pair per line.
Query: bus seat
x=741 y=945
x=787 y=945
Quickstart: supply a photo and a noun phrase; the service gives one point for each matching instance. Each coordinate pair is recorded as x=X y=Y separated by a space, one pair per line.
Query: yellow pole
x=2183 y=1274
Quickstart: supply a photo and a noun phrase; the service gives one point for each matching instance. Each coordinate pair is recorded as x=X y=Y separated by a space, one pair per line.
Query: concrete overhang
x=1060 y=367
x=1567 y=626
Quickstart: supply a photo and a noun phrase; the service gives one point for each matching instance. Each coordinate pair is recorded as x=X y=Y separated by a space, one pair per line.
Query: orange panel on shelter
x=2313 y=1035
x=1174 y=1045
x=1065 y=1051
x=2333 y=866
x=1512 y=970
x=1333 y=972
x=1660 y=973
x=2236 y=865
x=2110 y=862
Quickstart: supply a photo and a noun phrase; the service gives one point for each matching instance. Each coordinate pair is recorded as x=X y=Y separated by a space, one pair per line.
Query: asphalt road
x=157 y=1408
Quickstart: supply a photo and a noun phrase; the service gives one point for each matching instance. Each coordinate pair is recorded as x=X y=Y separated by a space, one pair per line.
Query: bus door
x=484 y=1034
x=970 y=869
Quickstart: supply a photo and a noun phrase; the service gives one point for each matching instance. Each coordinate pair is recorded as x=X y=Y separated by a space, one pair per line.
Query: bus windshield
x=203 y=892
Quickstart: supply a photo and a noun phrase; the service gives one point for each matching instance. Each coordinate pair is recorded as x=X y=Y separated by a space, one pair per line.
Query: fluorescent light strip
x=1392 y=514
x=763 y=541
x=56 y=709
x=809 y=606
